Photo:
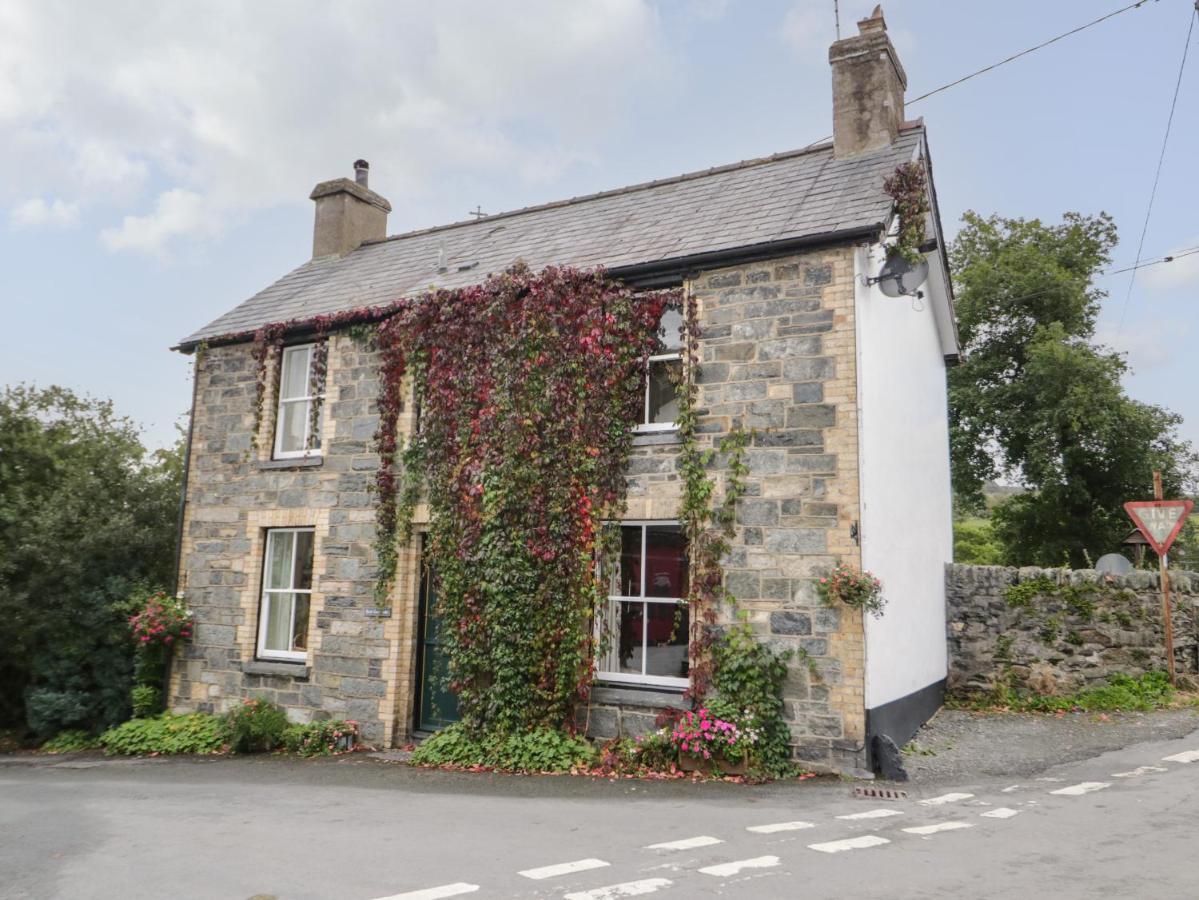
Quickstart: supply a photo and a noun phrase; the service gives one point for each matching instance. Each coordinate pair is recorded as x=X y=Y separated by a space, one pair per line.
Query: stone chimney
x=348 y=214
x=868 y=86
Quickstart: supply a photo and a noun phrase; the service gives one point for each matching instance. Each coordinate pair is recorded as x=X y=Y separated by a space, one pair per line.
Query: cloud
x=176 y=212
x=1148 y=343
x=1173 y=276
x=168 y=124
x=37 y=213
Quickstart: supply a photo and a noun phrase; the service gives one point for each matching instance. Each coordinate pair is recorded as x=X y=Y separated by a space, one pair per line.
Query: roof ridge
x=817 y=147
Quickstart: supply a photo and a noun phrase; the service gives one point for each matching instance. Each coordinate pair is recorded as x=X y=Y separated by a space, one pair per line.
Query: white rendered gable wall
x=906 y=507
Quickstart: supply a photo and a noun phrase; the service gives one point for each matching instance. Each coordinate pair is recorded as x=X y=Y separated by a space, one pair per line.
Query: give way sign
x=1159 y=520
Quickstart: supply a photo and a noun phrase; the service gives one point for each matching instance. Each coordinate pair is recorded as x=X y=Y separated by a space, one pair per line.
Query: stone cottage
x=843 y=385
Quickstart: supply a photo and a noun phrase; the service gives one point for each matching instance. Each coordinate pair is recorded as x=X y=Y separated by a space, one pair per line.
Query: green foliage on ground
x=748 y=681
x=320 y=738
x=541 y=750
x=1121 y=693
x=70 y=741
x=975 y=543
x=165 y=734
x=254 y=727
x=1037 y=401
x=87 y=520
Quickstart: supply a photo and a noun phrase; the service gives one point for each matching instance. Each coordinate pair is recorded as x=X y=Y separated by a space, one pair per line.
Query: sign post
x=1161 y=521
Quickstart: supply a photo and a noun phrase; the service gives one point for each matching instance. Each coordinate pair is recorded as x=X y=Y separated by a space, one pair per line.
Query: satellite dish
x=899 y=277
x=1113 y=564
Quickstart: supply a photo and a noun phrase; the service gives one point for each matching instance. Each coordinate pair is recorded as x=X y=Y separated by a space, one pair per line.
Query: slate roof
x=801 y=194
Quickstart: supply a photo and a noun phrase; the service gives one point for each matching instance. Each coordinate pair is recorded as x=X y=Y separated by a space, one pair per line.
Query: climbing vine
x=707 y=524
x=529 y=385
x=316 y=387
x=908 y=188
x=268 y=342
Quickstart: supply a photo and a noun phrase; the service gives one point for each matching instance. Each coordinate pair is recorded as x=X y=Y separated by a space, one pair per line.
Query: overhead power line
x=1161 y=158
x=1015 y=56
x=1144 y=264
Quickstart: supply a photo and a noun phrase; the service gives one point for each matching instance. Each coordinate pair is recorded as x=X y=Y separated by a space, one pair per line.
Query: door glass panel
x=665 y=562
x=294 y=380
x=630 y=561
x=303 y=560
x=293 y=425
x=278 y=621
x=278 y=573
x=666 y=639
x=664 y=375
x=299 y=635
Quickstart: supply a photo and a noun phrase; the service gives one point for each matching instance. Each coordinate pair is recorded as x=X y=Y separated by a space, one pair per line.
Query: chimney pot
x=348 y=214
x=868 y=87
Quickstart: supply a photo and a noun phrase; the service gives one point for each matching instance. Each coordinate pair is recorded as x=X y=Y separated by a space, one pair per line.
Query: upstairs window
x=293 y=422
x=286 y=594
x=647 y=625
x=663 y=373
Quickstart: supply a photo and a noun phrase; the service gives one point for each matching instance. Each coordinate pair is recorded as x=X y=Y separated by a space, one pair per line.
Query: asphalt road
x=1125 y=826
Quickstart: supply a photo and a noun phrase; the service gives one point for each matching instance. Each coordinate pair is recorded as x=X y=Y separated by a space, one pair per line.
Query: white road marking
x=1000 y=812
x=1086 y=787
x=939 y=827
x=854 y=843
x=1187 y=756
x=873 y=814
x=1051 y=779
x=945 y=798
x=627 y=889
x=779 y=826
x=436 y=893
x=579 y=865
x=732 y=868
x=1008 y=790
x=686 y=843
x=1139 y=770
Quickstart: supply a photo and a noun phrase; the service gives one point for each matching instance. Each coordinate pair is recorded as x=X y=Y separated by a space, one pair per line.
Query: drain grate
x=880 y=793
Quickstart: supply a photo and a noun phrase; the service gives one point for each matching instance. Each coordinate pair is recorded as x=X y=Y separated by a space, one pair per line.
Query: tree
x=87 y=521
x=1037 y=402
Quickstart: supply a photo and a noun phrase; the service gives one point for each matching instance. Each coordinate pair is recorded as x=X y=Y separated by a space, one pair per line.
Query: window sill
x=654 y=696
x=656 y=438
x=296 y=670
x=298 y=462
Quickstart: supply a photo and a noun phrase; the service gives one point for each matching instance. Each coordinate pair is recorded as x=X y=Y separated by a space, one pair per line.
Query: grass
x=1122 y=693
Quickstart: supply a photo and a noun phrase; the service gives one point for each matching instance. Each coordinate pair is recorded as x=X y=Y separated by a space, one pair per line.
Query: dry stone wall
x=1054 y=631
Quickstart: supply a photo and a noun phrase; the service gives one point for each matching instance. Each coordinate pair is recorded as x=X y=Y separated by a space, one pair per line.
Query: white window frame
x=613 y=601
x=306 y=400
x=266 y=599
x=646 y=426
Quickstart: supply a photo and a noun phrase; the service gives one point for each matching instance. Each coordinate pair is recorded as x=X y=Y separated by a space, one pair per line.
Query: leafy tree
x=975 y=544
x=1038 y=402
x=87 y=522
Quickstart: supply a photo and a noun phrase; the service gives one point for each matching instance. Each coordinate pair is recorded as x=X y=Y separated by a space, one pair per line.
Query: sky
x=156 y=159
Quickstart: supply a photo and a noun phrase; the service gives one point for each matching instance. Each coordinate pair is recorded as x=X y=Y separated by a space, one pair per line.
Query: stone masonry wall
x=1059 y=640
x=234 y=494
x=778 y=357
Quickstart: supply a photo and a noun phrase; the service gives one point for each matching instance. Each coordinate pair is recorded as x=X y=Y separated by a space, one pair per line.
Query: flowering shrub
x=858 y=590
x=702 y=735
x=162 y=621
x=321 y=738
x=255 y=726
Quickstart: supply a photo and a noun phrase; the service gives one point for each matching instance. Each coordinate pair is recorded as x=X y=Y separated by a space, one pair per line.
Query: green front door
x=436 y=706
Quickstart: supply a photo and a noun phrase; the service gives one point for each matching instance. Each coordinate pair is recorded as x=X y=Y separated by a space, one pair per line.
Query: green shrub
x=1121 y=693
x=70 y=742
x=49 y=711
x=146 y=700
x=321 y=738
x=542 y=750
x=254 y=727
x=748 y=677
x=165 y=734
